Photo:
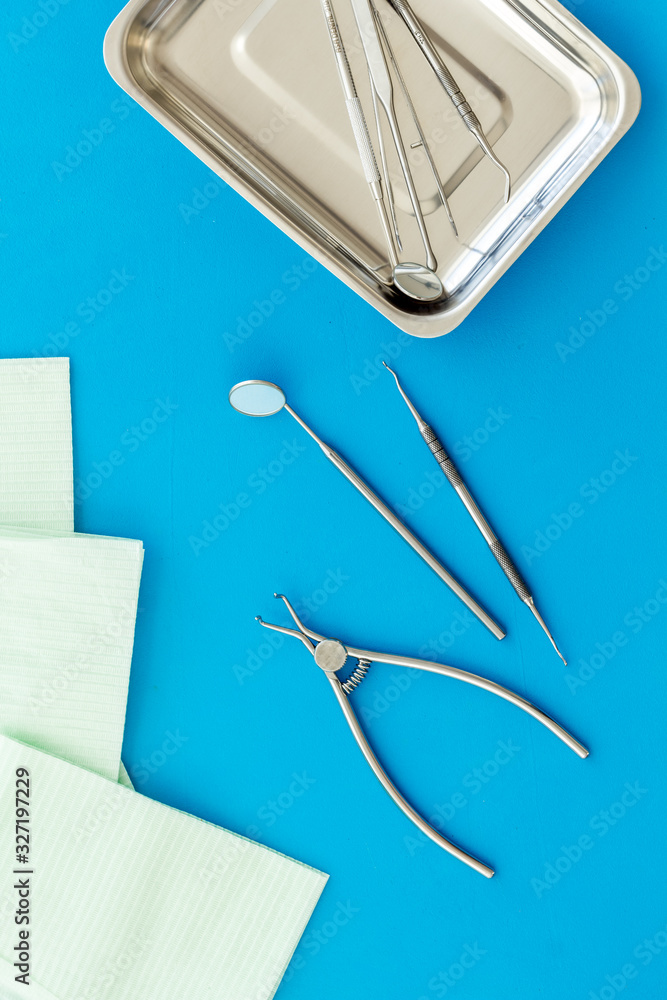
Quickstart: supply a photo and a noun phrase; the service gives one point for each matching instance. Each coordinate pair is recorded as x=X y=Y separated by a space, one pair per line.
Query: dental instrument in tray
x=450 y=85
x=415 y=280
x=257 y=398
x=383 y=89
x=423 y=141
x=418 y=281
x=331 y=656
x=454 y=477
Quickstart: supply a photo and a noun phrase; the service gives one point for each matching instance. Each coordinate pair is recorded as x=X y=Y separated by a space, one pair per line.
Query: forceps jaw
x=329 y=654
x=288 y=631
x=295 y=618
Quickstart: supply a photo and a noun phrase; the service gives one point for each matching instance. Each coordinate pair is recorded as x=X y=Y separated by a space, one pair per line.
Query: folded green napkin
x=36 y=443
x=132 y=900
x=144 y=903
x=68 y=607
x=123 y=777
x=36 y=490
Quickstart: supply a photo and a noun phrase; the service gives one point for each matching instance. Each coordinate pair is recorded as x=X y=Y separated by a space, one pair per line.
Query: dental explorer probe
x=492 y=540
x=451 y=87
x=257 y=398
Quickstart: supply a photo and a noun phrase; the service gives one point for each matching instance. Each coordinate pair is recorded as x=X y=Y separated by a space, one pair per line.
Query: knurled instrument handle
x=454 y=477
x=363 y=139
x=435 y=60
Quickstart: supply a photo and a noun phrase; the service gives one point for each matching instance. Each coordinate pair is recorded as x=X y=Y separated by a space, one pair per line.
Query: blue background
x=396 y=913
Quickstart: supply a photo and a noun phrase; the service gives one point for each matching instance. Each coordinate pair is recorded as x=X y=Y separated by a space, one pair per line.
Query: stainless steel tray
x=250 y=86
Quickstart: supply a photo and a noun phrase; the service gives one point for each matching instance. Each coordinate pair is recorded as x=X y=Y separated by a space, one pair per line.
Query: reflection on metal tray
x=251 y=87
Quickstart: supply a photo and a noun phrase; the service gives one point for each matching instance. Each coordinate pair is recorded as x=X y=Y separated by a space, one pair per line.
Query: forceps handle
x=393 y=792
x=492 y=540
x=477 y=681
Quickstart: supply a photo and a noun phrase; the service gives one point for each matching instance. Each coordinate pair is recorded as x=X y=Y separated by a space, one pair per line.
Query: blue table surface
x=104 y=261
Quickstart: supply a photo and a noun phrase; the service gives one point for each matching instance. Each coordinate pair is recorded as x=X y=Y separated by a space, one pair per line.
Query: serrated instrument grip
x=492 y=540
x=363 y=140
x=449 y=84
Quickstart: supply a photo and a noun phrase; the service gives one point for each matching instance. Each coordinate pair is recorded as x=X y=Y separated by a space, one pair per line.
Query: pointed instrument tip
x=553 y=643
x=413 y=411
x=531 y=605
x=450 y=217
x=501 y=166
x=445 y=204
x=395 y=377
x=508 y=184
x=488 y=149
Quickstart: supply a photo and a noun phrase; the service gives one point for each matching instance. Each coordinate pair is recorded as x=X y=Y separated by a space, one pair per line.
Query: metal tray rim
x=629 y=104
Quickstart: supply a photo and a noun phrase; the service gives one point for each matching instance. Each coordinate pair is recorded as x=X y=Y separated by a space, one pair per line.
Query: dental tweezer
x=453 y=475
x=331 y=656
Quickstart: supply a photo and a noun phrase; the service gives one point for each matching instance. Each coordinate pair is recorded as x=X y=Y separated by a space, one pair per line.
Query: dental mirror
x=257 y=398
x=417 y=281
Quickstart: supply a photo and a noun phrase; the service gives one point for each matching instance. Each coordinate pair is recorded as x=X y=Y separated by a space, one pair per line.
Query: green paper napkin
x=36 y=443
x=146 y=903
x=68 y=606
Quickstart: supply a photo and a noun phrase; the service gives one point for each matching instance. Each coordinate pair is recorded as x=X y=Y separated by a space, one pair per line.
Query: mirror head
x=257 y=398
x=418 y=282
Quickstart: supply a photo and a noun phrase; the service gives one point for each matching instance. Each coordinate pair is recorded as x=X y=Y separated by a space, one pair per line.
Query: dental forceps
x=331 y=656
